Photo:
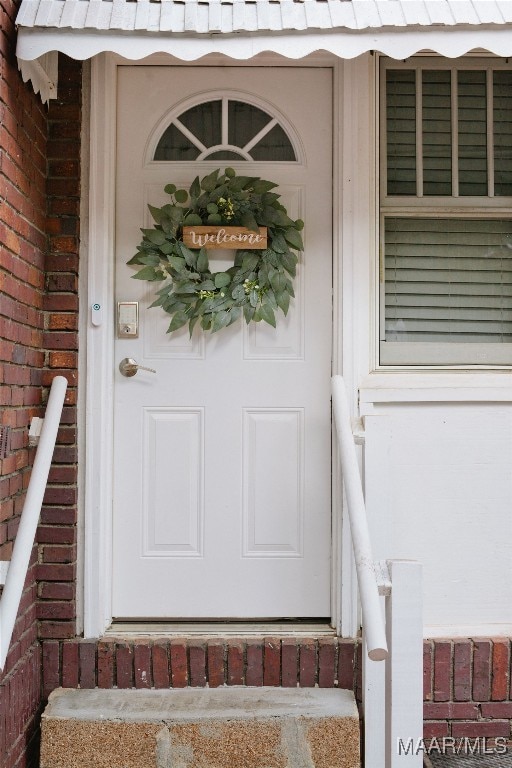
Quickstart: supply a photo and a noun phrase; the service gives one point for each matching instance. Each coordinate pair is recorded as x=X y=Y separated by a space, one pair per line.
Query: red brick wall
x=38 y=321
x=23 y=134
x=467 y=688
x=56 y=570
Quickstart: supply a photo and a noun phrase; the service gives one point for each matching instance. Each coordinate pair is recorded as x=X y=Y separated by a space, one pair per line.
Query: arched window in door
x=225 y=129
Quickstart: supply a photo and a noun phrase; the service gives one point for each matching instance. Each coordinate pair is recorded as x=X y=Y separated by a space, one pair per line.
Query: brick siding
x=23 y=134
x=164 y=663
x=467 y=688
x=56 y=570
x=39 y=198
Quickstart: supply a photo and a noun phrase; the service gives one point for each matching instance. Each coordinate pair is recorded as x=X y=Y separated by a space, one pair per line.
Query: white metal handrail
x=392 y=693
x=373 y=621
x=18 y=565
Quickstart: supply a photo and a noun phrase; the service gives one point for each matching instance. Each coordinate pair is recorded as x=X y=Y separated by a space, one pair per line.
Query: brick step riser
x=466 y=681
x=161 y=663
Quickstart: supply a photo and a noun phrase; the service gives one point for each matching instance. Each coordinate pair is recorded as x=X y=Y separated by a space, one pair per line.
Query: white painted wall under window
x=439 y=489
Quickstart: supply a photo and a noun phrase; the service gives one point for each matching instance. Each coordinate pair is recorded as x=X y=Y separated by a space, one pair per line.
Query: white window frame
x=431 y=354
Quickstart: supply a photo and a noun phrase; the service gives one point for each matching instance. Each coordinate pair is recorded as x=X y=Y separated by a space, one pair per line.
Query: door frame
x=98 y=209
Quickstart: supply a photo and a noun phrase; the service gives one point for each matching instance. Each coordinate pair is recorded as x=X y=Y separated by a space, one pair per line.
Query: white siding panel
x=129 y=17
x=366 y=14
x=226 y=18
x=262 y=14
x=43 y=12
x=142 y=16
x=505 y=8
x=294 y=15
x=203 y=15
x=239 y=14
x=55 y=15
x=166 y=17
x=464 y=12
x=68 y=13
x=342 y=14
x=190 y=17
x=488 y=11
x=80 y=16
x=94 y=11
x=117 y=17
x=27 y=13
x=317 y=15
x=276 y=19
x=439 y=13
x=177 y=15
x=391 y=14
x=439 y=484
x=251 y=17
x=415 y=12
x=214 y=18
x=105 y=15
x=154 y=17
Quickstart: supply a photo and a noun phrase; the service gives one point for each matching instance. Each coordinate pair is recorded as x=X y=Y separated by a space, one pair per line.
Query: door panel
x=222 y=458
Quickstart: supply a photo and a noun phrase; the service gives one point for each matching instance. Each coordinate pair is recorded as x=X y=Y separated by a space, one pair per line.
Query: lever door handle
x=129 y=367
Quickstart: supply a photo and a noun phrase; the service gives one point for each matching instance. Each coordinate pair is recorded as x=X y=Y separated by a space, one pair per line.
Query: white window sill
x=434 y=387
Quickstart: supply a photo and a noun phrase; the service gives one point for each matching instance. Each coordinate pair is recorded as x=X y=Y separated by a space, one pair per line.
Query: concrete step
x=236 y=727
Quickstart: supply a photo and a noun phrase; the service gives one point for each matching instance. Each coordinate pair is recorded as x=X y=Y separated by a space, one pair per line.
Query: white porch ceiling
x=190 y=29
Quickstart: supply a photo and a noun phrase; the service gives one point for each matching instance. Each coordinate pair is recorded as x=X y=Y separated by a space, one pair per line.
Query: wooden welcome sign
x=216 y=237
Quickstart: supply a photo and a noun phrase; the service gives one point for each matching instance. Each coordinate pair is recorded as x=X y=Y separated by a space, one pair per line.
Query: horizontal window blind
x=448 y=280
x=448 y=132
x=437 y=132
x=401 y=131
x=503 y=132
x=472 y=132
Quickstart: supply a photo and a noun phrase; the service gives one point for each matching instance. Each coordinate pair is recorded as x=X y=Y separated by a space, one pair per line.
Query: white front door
x=222 y=470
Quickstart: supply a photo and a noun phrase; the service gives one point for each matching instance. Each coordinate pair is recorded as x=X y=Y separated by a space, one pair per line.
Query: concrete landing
x=238 y=727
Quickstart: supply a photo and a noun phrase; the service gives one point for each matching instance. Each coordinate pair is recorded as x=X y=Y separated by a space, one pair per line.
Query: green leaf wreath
x=259 y=282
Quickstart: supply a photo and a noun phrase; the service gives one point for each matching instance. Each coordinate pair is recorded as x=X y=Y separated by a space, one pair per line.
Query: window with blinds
x=446 y=234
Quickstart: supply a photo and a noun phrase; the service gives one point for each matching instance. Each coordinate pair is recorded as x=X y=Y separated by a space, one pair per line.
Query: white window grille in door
x=225 y=129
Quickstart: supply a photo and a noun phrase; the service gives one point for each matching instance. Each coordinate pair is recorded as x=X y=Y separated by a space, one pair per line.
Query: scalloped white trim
x=82 y=44
x=42 y=73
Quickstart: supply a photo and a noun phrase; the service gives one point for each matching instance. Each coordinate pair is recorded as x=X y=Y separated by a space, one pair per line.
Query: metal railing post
x=374 y=697
x=404 y=668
